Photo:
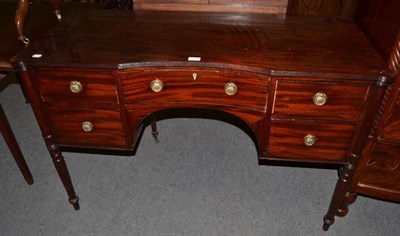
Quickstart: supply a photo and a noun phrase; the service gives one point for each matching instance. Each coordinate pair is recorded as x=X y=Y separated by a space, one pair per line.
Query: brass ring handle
x=309 y=140
x=320 y=99
x=231 y=88
x=87 y=126
x=75 y=86
x=156 y=85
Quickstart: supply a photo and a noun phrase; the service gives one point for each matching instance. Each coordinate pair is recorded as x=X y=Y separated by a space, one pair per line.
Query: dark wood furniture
x=377 y=172
x=307 y=89
x=9 y=138
x=22 y=11
x=9 y=45
x=343 y=8
x=380 y=22
x=12 y=144
x=41 y=19
x=276 y=7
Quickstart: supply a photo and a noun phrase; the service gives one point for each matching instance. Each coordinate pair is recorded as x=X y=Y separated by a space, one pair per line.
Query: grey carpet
x=203 y=178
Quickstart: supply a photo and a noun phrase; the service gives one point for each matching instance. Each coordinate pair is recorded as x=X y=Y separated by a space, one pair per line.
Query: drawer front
x=332 y=140
x=197 y=87
x=77 y=86
x=342 y=101
x=104 y=130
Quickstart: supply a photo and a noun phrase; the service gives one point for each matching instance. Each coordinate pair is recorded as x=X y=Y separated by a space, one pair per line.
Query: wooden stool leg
x=13 y=146
x=154 y=130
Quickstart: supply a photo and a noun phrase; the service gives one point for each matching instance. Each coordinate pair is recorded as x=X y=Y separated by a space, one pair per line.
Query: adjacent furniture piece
x=22 y=11
x=306 y=89
x=11 y=142
x=9 y=45
x=377 y=172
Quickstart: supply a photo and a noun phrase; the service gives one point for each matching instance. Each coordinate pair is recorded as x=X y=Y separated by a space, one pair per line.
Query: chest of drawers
x=305 y=89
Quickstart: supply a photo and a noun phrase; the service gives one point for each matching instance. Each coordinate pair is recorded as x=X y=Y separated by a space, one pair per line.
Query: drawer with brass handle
x=309 y=141
x=319 y=100
x=226 y=87
x=77 y=86
x=86 y=127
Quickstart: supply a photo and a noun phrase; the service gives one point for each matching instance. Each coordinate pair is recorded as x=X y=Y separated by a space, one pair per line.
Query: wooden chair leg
x=154 y=130
x=22 y=11
x=20 y=15
x=13 y=146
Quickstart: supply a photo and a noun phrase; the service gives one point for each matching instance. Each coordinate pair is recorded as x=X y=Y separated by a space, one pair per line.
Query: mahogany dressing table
x=308 y=88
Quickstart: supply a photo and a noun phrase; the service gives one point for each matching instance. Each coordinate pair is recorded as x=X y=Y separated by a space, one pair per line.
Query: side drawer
x=342 y=101
x=77 y=86
x=332 y=140
x=197 y=87
x=104 y=130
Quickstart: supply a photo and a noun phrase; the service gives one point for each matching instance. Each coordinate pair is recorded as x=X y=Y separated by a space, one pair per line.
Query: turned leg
x=154 y=130
x=53 y=148
x=349 y=199
x=20 y=16
x=13 y=146
x=339 y=195
x=62 y=171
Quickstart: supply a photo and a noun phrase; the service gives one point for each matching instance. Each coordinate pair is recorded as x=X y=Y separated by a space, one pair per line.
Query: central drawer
x=228 y=88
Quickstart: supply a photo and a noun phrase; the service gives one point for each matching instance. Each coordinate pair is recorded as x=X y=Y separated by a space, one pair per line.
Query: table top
x=308 y=46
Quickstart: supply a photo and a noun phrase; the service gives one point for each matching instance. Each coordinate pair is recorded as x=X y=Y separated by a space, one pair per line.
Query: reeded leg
x=62 y=171
x=13 y=146
x=20 y=16
x=339 y=195
x=154 y=130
